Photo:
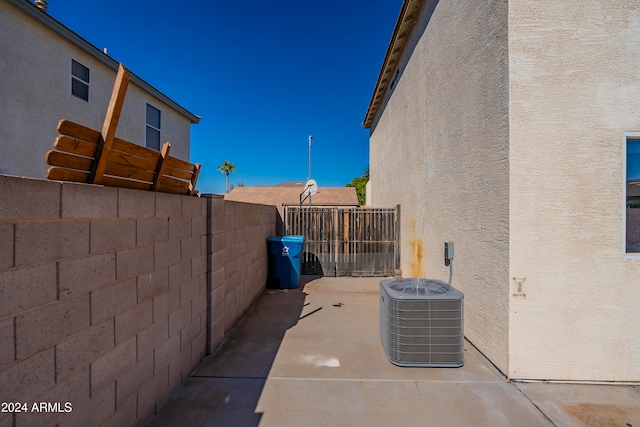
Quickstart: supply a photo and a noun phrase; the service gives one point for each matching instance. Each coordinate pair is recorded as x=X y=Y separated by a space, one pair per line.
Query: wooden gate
x=346 y=242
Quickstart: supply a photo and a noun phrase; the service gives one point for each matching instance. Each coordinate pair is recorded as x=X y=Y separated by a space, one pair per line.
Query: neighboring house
x=511 y=128
x=48 y=72
x=288 y=194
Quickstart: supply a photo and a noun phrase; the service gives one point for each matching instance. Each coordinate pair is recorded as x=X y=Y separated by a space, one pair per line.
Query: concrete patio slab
x=586 y=405
x=312 y=356
x=335 y=402
x=344 y=342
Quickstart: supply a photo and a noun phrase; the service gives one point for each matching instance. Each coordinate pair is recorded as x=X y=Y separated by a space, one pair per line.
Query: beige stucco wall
x=439 y=148
x=574 y=89
x=35 y=93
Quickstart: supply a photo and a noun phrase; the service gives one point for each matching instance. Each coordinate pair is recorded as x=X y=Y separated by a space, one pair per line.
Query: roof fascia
x=407 y=18
x=92 y=50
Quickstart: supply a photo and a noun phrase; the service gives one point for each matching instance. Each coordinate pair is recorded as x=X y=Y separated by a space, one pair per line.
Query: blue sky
x=263 y=75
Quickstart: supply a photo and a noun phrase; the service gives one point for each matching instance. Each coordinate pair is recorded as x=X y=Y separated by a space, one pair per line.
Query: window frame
x=87 y=83
x=625 y=138
x=149 y=125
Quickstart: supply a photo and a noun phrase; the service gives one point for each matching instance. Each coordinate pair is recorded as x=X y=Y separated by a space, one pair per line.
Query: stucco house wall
x=504 y=133
x=439 y=148
x=35 y=88
x=574 y=85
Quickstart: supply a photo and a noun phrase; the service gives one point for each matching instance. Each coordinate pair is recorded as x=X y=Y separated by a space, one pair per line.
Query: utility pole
x=309 y=174
x=309 y=177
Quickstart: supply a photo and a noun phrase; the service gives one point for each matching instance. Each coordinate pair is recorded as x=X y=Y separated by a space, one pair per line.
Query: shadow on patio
x=225 y=388
x=313 y=356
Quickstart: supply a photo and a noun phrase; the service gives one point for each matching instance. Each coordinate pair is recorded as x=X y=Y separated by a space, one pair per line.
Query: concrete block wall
x=239 y=260
x=103 y=294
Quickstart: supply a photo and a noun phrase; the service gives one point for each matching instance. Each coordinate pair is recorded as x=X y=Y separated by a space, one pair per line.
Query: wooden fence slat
x=356 y=241
x=178 y=173
x=75 y=146
x=194 y=180
x=161 y=165
x=114 y=181
x=125 y=159
x=128 y=172
x=171 y=185
x=66 y=160
x=75 y=130
x=110 y=124
x=179 y=164
x=83 y=133
x=86 y=155
x=60 y=174
x=136 y=150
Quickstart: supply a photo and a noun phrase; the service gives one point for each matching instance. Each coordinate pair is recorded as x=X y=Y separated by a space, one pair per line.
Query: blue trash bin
x=285 y=261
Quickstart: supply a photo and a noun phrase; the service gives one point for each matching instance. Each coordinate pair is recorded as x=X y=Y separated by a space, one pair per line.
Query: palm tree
x=227 y=167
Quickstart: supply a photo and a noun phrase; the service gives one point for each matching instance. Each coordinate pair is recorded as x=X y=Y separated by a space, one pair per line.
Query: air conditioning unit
x=422 y=323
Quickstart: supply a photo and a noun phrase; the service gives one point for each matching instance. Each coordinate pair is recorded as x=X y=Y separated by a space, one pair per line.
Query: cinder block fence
x=110 y=297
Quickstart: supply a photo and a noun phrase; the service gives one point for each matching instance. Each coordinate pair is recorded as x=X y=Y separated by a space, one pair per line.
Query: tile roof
x=289 y=195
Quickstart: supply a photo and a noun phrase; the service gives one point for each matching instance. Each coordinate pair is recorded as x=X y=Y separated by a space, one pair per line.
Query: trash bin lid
x=293 y=239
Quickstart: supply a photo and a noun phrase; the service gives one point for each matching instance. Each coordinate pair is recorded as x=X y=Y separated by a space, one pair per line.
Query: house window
x=153 y=127
x=79 y=80
x=632 y=192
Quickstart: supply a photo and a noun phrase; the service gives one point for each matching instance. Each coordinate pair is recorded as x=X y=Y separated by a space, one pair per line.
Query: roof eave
x=406 y=20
